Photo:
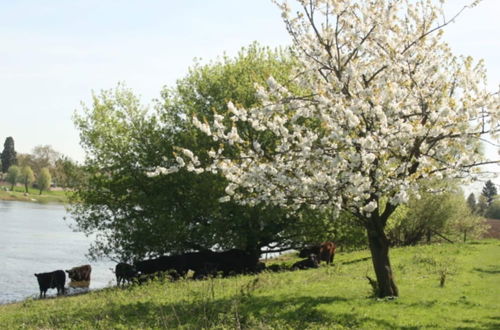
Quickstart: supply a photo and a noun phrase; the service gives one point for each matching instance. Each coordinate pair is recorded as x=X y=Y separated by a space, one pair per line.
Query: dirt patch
x=494 y=231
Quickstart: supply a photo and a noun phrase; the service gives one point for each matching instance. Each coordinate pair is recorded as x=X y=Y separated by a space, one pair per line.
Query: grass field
x=334 y=297
x=33 y=195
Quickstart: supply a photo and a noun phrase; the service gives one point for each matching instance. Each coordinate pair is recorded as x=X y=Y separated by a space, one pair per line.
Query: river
x=36 y=238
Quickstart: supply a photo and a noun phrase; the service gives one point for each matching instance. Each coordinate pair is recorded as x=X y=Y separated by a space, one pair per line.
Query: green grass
x=334 y=297
x=18 y=194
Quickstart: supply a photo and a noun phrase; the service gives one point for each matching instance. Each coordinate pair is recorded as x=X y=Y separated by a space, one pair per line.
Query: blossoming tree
x=387 y=104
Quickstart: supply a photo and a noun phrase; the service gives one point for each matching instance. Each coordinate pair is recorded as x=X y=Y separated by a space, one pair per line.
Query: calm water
x=35 y=238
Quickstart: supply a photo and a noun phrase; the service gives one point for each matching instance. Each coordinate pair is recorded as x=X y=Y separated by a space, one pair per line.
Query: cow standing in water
x=80 y=276
x=51 y=280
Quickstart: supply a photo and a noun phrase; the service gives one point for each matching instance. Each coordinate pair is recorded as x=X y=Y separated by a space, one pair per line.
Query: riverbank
x=335 y=297
x=33 y=195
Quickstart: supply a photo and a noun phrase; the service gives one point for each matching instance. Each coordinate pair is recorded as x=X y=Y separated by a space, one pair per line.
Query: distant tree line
x=42 y=168
x=486 y=204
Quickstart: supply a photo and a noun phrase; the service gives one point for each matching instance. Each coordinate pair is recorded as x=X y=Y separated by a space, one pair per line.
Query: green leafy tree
x=134 y=215
x=482 y=205
x=471 y=202
x=469 y=226
x=43 y=156
x=44 y=179
x=8 y=154
x=67 y=173
x=489 y=191
x=27 y=177
x=13 y=175
x=493 y=211
x=429 y=215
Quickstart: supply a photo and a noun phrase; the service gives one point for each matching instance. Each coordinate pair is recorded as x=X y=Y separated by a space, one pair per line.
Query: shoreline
x=33 y=196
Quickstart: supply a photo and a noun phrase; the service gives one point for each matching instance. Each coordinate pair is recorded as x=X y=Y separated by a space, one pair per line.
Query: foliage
x=43 y=156
x=493 y=211
x=489 y=191
x=67 y=173
x=325 y=298
x=8 y=155
x=27 y=177
x=44 y=179
x=469 y=226
x=427 y=215
x=13 y=175
x=482 y=205
x=471 y=202
x=135 y=215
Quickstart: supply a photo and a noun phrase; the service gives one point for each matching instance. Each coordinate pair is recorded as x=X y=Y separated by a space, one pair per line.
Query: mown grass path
x=335 y=297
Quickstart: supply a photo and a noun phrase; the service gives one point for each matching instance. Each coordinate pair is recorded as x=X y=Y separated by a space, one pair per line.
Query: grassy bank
x=33 y=195
x=326 y=298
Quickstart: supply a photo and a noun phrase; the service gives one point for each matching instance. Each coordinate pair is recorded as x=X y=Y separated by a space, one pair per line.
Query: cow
x=327 y=252
x=125 y=273
x=234 y=261
x=307 y=251
x=80 y=273
x=310 y=262
x=175 y=266
x=51 y=280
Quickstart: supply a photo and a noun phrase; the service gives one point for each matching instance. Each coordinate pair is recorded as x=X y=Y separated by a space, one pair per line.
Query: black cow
x=307 y=251
x=235 y=261
x=175 y=266
x=311 y=262
x=125 y=273
x=52 y=280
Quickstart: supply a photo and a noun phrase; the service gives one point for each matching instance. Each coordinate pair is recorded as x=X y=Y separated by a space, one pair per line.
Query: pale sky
x=53 y=53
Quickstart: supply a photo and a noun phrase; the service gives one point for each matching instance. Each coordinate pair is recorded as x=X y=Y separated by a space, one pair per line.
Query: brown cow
x=80 y=274
x=327 y=252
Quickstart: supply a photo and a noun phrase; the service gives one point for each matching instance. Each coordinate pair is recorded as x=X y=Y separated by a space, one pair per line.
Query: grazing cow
x=310 y=262
x=52 y=280
x=80 y=273
x=125 y=273
x=327 y=252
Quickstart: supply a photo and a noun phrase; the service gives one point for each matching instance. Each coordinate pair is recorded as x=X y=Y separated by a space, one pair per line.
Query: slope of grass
x=334 y=297
x=33 y=195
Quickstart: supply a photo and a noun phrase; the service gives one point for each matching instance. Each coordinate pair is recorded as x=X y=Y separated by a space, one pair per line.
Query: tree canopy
x=136 y=215
x=8 y=154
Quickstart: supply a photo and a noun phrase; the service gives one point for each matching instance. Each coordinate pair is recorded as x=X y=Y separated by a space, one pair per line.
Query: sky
x=54 y=53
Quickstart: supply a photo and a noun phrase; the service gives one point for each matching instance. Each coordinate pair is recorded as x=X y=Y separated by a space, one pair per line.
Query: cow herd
x=202 y=264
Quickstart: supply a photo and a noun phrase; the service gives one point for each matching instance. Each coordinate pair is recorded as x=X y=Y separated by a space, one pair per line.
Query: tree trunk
x=379 y=248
